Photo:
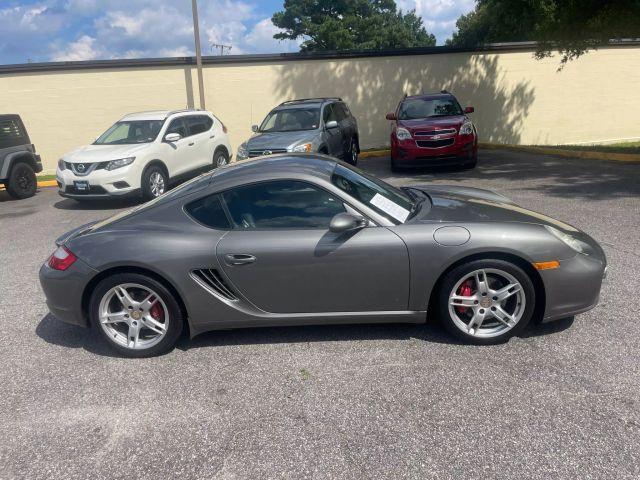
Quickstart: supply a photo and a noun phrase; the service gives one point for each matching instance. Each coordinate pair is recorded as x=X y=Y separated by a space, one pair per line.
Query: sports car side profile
x=299 y=239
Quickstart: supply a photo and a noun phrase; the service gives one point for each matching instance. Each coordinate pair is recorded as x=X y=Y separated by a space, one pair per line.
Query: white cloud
x=82 y=49
x=260 y=39
x=438 y=16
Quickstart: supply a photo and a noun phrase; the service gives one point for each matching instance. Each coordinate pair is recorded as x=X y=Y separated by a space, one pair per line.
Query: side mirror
x=469 y=110
x=172 y=137
x=254 y=128
x=331 y=124
x=344 y=222
x=391 y=116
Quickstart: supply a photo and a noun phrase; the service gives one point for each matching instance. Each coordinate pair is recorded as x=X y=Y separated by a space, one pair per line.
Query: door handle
x=239 y=258
x=213 y=136
x=191 y=144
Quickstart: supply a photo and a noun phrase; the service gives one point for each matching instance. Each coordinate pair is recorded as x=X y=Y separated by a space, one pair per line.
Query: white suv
x=143 y=153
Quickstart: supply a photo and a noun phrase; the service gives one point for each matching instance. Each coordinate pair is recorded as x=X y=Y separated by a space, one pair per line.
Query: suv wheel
x=154 y=182
x=22 y=181
x=353 y=152
x=220 y=159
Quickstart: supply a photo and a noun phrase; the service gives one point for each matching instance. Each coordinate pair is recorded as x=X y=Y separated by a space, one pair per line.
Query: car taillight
x=224 y=127
x=61 y=259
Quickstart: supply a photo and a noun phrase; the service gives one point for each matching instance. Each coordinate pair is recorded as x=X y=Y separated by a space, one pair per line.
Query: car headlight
x=121 y=162
x=572 y=242
x=242 y=152
x=403 y=134
x=61 y=165
x=466 y=128
x=305 y=147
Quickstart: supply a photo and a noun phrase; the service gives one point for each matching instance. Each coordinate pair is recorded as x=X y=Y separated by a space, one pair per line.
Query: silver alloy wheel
x=487 y=303
x=133 y=316
x=354 y=152
x=157 y=184
x=221 y=161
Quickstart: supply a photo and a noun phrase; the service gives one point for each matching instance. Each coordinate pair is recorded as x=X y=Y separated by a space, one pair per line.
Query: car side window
x=339 y=112
x=282 y=204
x=11 y=133
x=177 y=126
x=209 y=212
x=198 y=124
x=329 y=114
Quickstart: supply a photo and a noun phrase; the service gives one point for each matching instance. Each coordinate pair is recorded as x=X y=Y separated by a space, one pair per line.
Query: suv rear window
x=11 y=133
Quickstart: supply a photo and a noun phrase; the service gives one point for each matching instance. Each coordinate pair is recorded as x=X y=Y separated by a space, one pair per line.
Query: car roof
x=429 y=96
x=159 y=114
x=307 y=102
x=285 y=165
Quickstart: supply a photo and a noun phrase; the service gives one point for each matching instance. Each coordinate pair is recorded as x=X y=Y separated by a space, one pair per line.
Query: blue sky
x=58 y=30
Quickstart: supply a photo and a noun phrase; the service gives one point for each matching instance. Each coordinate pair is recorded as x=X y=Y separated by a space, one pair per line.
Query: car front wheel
x=136 y=315
x=22 y=181
x=486 y=301
x=353 y=152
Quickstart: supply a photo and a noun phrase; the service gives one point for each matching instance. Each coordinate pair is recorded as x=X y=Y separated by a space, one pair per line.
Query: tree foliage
x=350 y=25
x=570 y=26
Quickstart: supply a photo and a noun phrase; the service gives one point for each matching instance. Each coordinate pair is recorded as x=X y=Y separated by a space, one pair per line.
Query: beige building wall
x=518 y=100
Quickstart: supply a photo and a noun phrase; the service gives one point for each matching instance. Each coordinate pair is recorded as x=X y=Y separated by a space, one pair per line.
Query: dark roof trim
x=269 y=57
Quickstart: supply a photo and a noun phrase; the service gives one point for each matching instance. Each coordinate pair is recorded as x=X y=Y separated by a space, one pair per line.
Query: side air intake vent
x=210 y=279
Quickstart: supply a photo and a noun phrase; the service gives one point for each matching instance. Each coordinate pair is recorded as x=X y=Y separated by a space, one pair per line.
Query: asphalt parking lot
x=384 y=401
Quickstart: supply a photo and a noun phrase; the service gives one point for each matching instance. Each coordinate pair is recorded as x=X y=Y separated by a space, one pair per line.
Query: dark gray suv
x=19 y=162
x=322 y=125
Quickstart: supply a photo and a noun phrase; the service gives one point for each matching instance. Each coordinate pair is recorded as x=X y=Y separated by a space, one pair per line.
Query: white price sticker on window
x=389 y=207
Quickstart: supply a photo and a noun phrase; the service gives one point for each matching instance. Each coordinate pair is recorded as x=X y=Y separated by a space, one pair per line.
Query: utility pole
x=196 y=33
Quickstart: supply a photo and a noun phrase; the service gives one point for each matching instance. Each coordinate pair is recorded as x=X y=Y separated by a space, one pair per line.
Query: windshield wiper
x=417 y=201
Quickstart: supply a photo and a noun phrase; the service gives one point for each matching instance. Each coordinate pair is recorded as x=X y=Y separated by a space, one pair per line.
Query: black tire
x=147 y=187
x=22 y=181
x=220 y=158
x=394 y=166
x=352 y=154
x=455 y=275
x=472 y=164
x=176 y=321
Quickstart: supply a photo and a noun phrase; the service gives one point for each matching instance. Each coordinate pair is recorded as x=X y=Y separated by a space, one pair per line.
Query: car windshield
x=129 y=132
x=385 y=199
x=291 y=119
x=415 y=108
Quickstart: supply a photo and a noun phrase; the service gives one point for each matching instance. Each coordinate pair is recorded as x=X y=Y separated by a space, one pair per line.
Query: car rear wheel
x=136 y=315
x=22 y=181
x=154 y=182
x=486 y=301
x=220 y=159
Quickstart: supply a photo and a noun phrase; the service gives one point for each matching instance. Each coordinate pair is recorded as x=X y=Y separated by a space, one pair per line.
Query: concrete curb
x=47 y=183
x=560 y=152
x=383 y=152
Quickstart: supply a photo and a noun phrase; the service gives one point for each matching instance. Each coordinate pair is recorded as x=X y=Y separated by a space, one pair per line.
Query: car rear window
x=11 y=133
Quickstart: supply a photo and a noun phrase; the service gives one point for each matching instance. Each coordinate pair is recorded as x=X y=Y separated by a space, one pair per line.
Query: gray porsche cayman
x=298 y=239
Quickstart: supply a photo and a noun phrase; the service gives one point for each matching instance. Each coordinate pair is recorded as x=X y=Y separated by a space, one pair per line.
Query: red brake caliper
x=157 y=312
x=464 y=290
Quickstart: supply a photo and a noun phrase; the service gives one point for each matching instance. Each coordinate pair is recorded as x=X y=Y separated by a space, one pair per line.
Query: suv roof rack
x=182 y=110
x=318 y=99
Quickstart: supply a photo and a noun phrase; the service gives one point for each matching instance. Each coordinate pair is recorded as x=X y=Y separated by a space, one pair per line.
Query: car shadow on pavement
x=70 y=204
x=55 y=332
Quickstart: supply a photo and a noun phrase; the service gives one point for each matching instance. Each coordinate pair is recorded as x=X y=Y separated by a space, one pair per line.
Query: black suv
x=18 y=160
x=323 y=125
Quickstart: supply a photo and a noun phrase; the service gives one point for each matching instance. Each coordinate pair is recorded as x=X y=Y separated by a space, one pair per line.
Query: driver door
x=282 y=257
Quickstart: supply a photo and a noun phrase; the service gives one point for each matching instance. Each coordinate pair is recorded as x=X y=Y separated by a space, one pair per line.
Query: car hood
x=280 y=140
x=100 y=153
x=464 y=204
x=437 y=122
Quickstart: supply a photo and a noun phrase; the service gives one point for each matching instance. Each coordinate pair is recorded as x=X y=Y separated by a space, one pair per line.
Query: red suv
x=432 y=130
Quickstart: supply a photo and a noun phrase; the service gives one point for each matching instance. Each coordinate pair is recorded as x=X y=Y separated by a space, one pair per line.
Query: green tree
x=350 y=25
x=571 y=27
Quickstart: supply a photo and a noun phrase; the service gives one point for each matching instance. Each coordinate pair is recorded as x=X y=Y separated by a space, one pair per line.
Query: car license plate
x=81 y=185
